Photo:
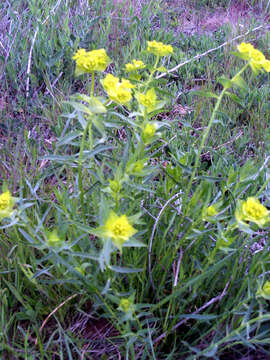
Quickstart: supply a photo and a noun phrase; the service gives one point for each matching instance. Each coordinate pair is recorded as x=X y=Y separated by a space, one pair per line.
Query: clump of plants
x=162 y=250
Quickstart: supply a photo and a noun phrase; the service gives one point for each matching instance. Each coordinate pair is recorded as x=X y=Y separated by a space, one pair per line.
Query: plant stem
x=204 y=138
x=92 y=83
x=152 y=73
x=80 y=168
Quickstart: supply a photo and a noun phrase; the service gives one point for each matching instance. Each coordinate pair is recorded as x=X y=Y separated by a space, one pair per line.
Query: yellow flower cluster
x=6 y=205
x=118 y=229
x=89 y=61
x=148 y=100
x=255 y=57
x=158 y=48
x=252 y=210
x=135 y=65
x=118 y=91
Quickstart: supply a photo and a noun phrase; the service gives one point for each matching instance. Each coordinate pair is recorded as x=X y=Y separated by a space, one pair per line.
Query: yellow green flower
x=136 y=168
x=53 y=239
x=255 y=57
x=89 y=61
x=252 y=210
x=118 y=229
x=211 y=211
x=158 y=48
x=148 y=100
x=115 y=185
x=126 y=305
x=6 y=205
x=264 y=291
x=266 y=65
x=118 y=91
x=109 y=82
x=80 y=270
x=135 y=65
x=148 y=133
x=245 y=48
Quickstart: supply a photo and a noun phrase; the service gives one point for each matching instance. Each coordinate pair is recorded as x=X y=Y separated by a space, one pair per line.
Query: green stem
x=204 y=138
x=263 y=187
x=152 y=73
x=92 y=83
x=80 y=168
x=198 y=155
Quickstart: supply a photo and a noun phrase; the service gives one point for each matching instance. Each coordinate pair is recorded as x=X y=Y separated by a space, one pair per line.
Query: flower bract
x=158 y=48
x=148 y=100
x=264 y=291
x=126 y=305
x=135 y=65
x=148 y=132
x=6 y=205
x=53 y=238
x=252 y=210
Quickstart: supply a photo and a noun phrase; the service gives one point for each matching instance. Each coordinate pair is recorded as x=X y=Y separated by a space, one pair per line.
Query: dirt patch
x=191 y=21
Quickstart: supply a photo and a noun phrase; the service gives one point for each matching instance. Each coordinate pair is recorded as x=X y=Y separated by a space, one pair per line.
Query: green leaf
x=162 y=69
x=96 y=106
x=211 y=178
x=240 y=82
x=134 y=243
x=205 y=93
x=124 y=270
x=234 y=98
x=78 y=72
x=68 y=138
x=79 y=107
x=197 y=279
x=227 y=83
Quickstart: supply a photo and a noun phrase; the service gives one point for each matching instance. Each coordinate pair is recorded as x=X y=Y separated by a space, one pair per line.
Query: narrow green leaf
x=124 y=270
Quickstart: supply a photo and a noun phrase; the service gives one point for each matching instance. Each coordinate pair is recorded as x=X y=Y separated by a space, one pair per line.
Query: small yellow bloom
x=53 y=239
x=115 y=185
x=264 y=291
x=118 y=91
x=126 y=305
x=110 y=82
x=255 y=57
x=211 y=211
x=266 y=65
x=252 y=210
x=6 y=205
x=158 y=48
x=148 y=132
x=136 y=168
x=118 y=229
x=135 y=65
x=245 y=48
x=148 y=100
x=89 y=61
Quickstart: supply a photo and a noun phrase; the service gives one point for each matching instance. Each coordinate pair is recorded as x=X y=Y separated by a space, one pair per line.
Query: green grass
x=190 y=299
